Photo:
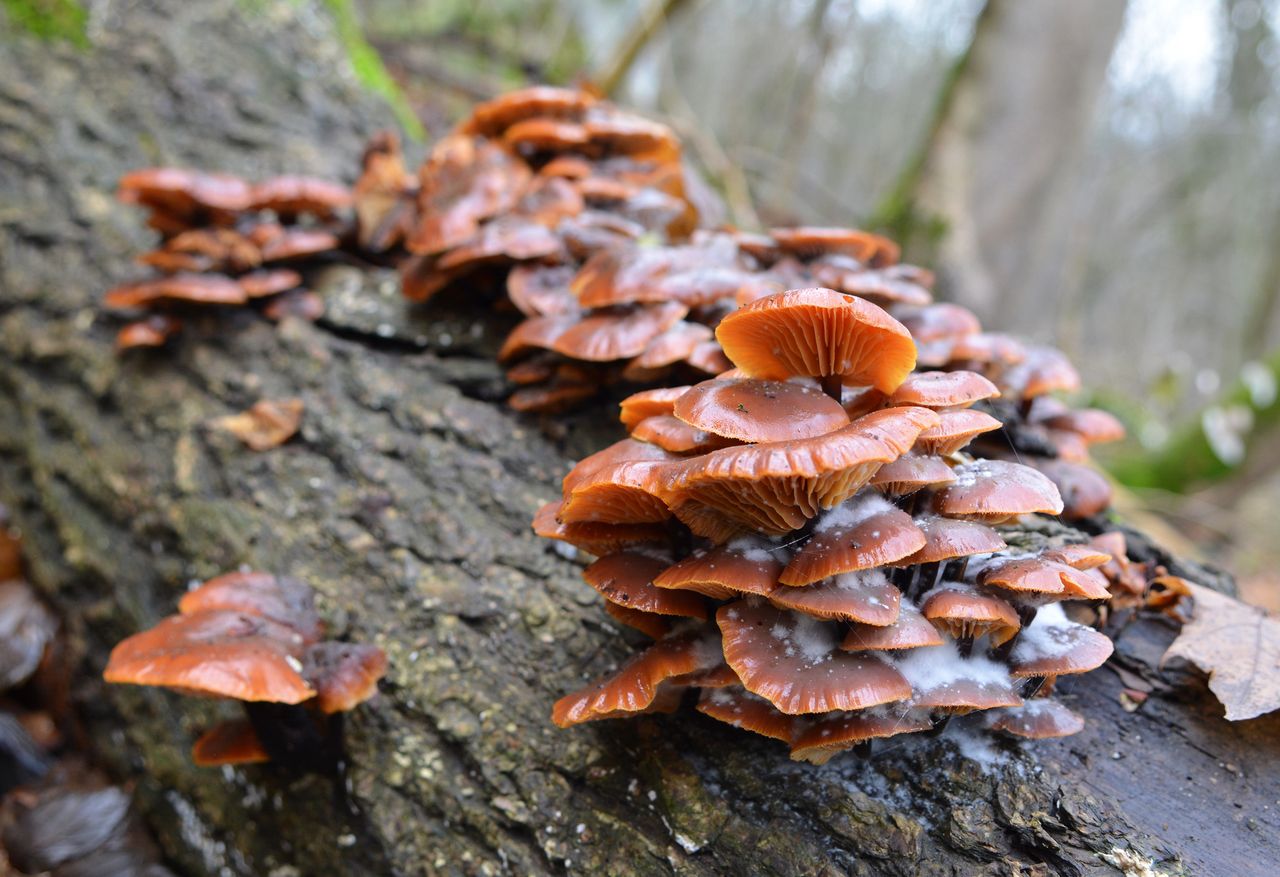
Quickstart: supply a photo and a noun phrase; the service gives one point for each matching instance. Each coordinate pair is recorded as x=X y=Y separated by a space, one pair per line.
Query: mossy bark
x=405 y=500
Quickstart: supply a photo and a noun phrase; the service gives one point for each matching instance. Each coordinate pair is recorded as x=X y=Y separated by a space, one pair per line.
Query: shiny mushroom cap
x=860 y=533
x=933 y=389
x=829 y=736
x=593 y=537
x=911 y=630
x=228 y=743
x=344 y=675
x=219 y=653
x=746 y=565
x=740 y=708
x=818 y=333
x=966 y=614
x=946 y=538
x=793 y=661
x=282 y=599
x=649 y=403
x=911 y=472
x=1052 y=645
x=995 y=491
x=627 y=578
x=955 y=429
x=865 y=596
x=810 y=242
x=1036 y=720
x=672 y=434
x=942 y=679
x=751 y=410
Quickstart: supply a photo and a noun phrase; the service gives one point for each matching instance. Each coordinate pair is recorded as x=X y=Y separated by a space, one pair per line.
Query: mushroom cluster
x=809 y=545
x=255 y=638
x=225 y=242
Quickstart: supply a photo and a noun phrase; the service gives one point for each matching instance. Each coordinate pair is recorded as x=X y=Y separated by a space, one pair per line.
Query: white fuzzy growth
x=933 y=667
x=853 y=512
x=756 y=550
x=1051 y=634
x=808 y=637
x=862 y=581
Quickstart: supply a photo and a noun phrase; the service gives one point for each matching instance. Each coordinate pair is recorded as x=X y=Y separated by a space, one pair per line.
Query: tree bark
x=406 y=502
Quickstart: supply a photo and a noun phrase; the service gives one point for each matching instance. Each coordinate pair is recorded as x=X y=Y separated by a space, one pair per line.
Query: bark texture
x=405 y=501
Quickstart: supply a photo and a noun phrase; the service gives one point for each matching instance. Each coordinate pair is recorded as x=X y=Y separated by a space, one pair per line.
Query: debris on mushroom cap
x=1051 y=645
x=1085 y=491
x=955 y=429
x=775 y=487
x=966 y=614
x=649 y=403
x=909 y=473
x=595 y=538
x=267 y=424
x=344 y=675
x=26 y=628
x=230 y=742
x=741 y=566
x=793 y=661
x=830 y=736
x=865 y=596
x=946 y=538
x=819 y=333
x=932 y=389
x=282 y=599
x=995 y=491
x=218 y=653
x=627 y=579
x=742 y=709
x=751 y=410
x=650 y=624
x=864 y=532
x=151 y=331
x=635 y=685
x=673 y=434
x=910 y=630
x=207 y=289
x=1036 y=720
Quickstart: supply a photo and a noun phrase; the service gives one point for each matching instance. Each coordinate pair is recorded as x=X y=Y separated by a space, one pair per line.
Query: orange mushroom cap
x=675 y=435
x=966 y=614
x=541 y=290
x=1079 y=556
x=1036 y=720
x=818 y=333
x=282 y=599
x=866 y=596
x=649 y=403
x=793 y=661
x=218 y=653
x=259 y=284
x=209 y=289
x=955 y=429
x=864 y=532
x=151 y=331
x=596 y=538
x=829 y=736
x=938 y=322
x=911 y=472
x=634 y=687
x=627 y=578
x=344 y=675
x=495 y=116
x=740 y=708
x=228 y=743
x=607 y=335
x=809 y=241
x=934 y=389
x=1033 y=575
x=651 y=624
x=946 y=538
x=911 y=630
x=776 y=487
x=464 y=181
x=743 y=566
x=1051 y=645
x=670 y=347
x=752 y=410
x=941 y=679
x=995 y=491
x=623 y=493
x=290 y=195
x=1044 y=370
x=1085 y=491
x=550 y=135
x=181 y=192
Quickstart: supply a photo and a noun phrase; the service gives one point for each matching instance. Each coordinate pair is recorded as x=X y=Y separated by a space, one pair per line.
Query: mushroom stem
x=940 y=725
x=833 y=386
x=964 y=646
x=297 y=738
x=864 y=749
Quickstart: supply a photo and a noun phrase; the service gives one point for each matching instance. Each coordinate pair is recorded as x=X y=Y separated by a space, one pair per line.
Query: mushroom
x=201 y=289
x=186 y=195
x=288 y=196
x=993 y=491
x=675 y=435
x=1085 y=491
x=229 y=743
x=539 y=290
x=151 y=331
x=946 y=679
x=627 y=578
x=866 y=596
x=809 y=241
x=864 y=532
x=267 y=424
x=947 y=538
x=743 y=566
x=909 y=473
x=937 y=390
x=649 y=403
x=819 y=333
x=1036 y=720
x=793 y=661
x=650 y=624
x=593 y=537
x=750 y=410
x=910 y=630
x=740 y=708
x=493 y=117
x=828 y=737
x=966 y=614
x=955 y=429
x=1052 y=646
x=672 y=346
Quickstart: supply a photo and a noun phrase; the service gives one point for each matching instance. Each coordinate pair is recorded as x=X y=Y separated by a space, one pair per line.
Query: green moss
x=63 y=20
x=368 y=65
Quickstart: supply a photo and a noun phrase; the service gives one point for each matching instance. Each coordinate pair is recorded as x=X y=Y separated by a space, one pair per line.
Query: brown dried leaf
x=268 y=424
x=1239 y=647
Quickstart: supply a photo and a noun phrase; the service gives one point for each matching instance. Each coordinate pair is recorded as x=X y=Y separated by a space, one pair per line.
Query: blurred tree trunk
x=1004 y=147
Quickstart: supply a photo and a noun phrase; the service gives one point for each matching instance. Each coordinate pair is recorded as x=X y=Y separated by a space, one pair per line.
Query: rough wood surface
x=405 y=500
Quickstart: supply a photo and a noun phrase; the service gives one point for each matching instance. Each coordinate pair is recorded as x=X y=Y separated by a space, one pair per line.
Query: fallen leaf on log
x=268 y=424
x=1238 y=645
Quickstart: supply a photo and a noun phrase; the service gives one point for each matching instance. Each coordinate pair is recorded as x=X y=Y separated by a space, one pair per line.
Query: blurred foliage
x=368 y=66
x=50 y=19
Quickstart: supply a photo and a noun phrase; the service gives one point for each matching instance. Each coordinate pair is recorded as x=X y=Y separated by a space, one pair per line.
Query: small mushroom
x=627 y=578
x=864 y=532
x=937 y=390
x=593 y=537
x=967 y=615
x=200 y=289
x=808 y=242
x=651 y=624
x=229 y=743
x=946 y=538
x=946 y=679
x=267 y=424
x=911 y=472
x=290 y=195
x=993 y=491
x=1036 y=720
x=259 y=284
x=742 y=566
x=673 y=434
x=649 y=403
x=830 y=736
x=910 y=630
x=282 y=599
x=665 y=350
x=150 y=331
x=740 y=708
x=1052 y=646
x=865 y=596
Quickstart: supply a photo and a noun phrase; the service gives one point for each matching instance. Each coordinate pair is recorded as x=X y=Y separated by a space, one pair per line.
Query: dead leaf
x=1238 y=645
x=268 y=424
